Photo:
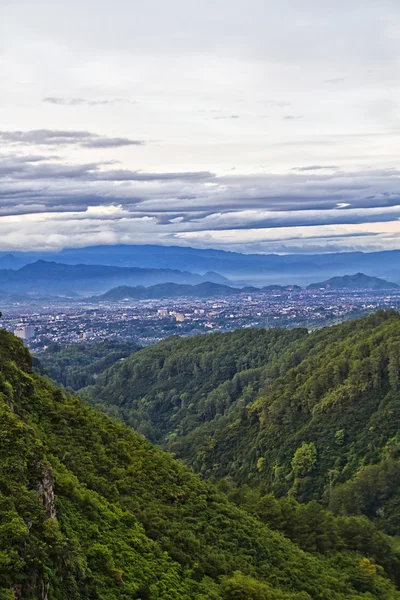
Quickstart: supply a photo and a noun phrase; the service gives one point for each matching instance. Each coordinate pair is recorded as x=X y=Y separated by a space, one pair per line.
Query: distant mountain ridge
x=176 y=290
x=41 y=280
x=358 y=281
x=57 y=278
x=207 y=289
x=255 y=269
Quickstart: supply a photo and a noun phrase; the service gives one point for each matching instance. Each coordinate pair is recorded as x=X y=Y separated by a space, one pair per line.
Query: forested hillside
x=90 y=510
x=172 y=387
x=311 y=416
x=78 y=365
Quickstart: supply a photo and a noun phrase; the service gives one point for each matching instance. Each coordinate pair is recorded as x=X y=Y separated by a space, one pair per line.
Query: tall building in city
x=25 y=332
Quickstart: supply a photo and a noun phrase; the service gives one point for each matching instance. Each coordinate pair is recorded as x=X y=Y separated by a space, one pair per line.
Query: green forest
x=309 y=416
x=89 y=509
x=77 y=366
x=294 y=438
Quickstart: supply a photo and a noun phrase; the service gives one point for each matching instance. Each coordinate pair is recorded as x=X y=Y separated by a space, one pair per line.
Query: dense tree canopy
x=78 y=365
x=310 y=415
x=90 y=510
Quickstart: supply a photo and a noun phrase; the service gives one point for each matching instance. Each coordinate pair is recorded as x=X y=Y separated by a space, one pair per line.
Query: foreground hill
x=90 y=510
x=314 y=416
x=359 y=281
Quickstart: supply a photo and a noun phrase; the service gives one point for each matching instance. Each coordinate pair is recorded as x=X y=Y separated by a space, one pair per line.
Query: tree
x=304 y=459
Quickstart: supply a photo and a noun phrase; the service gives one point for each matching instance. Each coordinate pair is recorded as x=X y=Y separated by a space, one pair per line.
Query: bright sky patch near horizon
x=253 y=126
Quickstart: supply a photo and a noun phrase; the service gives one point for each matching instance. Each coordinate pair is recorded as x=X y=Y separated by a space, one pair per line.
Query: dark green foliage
x=242 y=404
x=89 y=510
x=172 y=388
x=78 y=365
x=314 y=528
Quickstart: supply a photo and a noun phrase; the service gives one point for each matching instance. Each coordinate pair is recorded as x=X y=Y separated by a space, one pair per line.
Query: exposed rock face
x=46 y=492
x=45 y=489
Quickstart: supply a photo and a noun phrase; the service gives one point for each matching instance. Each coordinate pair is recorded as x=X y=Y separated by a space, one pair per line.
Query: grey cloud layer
x=200 y=200
x=54 y=137
x=85 y=101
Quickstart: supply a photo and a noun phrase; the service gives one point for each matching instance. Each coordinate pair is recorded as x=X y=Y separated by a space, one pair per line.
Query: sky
x=255 y=126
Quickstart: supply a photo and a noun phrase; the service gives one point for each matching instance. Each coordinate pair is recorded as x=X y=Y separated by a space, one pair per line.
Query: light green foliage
x=304 y=459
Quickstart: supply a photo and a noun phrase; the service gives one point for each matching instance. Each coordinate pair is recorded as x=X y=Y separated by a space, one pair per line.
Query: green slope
x=78 y=365
x=90 y=510
x=173 y=387
x=335 y=390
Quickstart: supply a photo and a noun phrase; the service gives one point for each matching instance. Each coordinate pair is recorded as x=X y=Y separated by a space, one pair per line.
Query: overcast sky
x=252 y=125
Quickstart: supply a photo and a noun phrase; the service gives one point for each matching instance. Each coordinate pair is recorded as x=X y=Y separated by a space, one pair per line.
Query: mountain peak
x=357 y=281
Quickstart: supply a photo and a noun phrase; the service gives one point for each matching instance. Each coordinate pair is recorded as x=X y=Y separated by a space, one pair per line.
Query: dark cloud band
x=200 y=201
x=55 y=137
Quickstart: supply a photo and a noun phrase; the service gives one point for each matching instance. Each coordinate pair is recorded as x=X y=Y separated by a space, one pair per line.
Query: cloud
x=85 y=101
x=227 y=117
x=115 y=224
x=196 y=200
x=45 y=168
x=186 y=65
x=55 y=137
x=335 y=80
x=279 y=103
x=315 y=168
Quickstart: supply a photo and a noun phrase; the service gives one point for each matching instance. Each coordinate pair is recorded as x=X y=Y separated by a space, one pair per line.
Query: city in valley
x=70 y=321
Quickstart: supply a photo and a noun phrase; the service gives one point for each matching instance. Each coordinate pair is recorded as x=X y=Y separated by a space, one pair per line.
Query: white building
x=25 y=332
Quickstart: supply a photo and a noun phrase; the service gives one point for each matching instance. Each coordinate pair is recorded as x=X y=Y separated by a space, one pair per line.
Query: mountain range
x=176 y=290
x=209 y=289
x=254 y=269
x=42 y=277
x=42 y=281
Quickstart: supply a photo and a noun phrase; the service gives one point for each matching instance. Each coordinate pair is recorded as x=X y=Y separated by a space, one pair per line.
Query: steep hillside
x=315 y=416
x=90 y=510
x=170 y=389
x=78 y=365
